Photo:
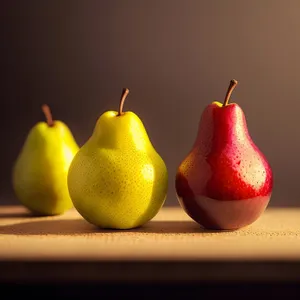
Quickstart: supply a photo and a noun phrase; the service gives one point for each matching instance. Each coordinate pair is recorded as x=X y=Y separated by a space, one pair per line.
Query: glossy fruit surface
x=225 y=182
x=117 y=179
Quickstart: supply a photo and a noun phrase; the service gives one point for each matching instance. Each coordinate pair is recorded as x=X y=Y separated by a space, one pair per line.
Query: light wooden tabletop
x=170 y=238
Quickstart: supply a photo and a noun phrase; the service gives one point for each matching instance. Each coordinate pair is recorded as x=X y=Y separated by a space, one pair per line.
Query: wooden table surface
x=170 y=247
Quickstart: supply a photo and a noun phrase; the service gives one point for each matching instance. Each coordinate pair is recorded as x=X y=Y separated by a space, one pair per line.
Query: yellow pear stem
x=231 y=87
x=47 y=112
x=125 y=92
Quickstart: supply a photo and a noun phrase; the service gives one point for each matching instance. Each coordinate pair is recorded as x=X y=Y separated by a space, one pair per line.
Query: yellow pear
x=40 y=171
x=117 y=179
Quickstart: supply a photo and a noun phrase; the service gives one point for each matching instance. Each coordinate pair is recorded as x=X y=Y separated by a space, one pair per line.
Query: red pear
x=225 y=182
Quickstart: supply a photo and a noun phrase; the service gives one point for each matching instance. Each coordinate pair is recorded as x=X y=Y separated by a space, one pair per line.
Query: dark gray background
x=174 y=56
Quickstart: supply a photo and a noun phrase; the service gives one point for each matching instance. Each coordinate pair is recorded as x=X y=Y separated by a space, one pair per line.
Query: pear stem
x=47 y=112
x=125 y=92
x=231 y=87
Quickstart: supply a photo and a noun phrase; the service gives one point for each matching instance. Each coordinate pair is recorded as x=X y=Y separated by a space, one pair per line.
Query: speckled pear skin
x=117 y=180
x=225 y=182
x=40 y=171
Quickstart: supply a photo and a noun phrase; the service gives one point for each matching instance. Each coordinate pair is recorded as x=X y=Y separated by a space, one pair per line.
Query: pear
x=40 y=171
x=117 y=180
x=225 y=182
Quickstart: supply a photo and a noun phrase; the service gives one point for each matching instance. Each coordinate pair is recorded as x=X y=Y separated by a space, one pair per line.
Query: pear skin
x=117 y=179
x=40 y=171
x=225 y=182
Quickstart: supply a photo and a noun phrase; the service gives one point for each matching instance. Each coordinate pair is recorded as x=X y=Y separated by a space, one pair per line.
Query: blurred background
x=175 y=57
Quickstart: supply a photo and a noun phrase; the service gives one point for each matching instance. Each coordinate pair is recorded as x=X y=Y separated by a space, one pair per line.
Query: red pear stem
x=232 y=85
x=47 y=112
x=125 y=92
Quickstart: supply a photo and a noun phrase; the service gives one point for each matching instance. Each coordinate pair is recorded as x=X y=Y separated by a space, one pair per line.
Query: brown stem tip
x=232 y=85
x=47 y=112
x=125 y=92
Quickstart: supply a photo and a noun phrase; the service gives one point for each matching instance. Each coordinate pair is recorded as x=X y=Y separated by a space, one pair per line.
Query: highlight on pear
x=225 y=181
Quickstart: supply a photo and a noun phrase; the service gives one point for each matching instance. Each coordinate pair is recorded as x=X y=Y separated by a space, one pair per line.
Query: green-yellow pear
x=117 y=180
x=40 y=171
